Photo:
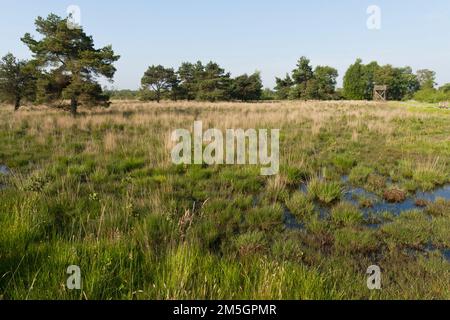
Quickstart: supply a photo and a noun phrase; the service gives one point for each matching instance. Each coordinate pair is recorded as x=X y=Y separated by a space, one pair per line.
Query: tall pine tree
x=70 y=52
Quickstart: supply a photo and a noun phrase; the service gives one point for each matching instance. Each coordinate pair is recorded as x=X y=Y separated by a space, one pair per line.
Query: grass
x=325 y=191
x=439 y=208
x=411 y=229
x=100 y=192
x=351 y=240
x=429 y=174
x=345 y=214
x=360 y=174
x=300 y=205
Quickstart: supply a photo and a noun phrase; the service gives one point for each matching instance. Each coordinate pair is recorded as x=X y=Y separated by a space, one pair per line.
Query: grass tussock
x=325 y=191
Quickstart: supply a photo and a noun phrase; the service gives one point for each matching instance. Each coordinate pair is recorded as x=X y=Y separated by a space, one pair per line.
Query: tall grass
x=100 y=192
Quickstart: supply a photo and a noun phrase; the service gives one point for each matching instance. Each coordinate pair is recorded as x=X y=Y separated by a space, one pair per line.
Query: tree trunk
x=17 y=104
x=73 y=106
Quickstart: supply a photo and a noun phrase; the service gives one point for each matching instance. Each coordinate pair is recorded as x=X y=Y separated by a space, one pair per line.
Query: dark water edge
x=379 y=205
x=446 y=254
x=353 y=194
x=4 y=171
x=430 y=248
x=290 y=221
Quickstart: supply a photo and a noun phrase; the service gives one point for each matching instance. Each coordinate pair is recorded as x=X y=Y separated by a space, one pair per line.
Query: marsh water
x=4 y=171
x=378 y=205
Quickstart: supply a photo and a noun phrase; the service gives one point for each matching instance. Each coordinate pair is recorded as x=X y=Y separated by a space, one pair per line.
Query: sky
x=244 y=36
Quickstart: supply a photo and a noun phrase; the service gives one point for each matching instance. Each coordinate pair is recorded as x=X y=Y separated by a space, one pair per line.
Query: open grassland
x=99 y=191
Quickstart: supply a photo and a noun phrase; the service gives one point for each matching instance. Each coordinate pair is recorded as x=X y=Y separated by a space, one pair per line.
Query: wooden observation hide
x=380 y=93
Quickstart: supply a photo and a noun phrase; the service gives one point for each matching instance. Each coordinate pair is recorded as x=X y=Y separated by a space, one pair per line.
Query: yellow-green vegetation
x=345 y=214
x=324 y=191
x=99 y=191
x=300 y=205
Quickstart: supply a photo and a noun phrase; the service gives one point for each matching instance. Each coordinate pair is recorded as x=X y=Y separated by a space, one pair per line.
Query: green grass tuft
x=346 y=214
x=325 y=191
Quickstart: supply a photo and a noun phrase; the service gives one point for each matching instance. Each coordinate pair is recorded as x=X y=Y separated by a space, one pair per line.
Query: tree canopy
x=159 y=80
x=198 y=81
x=247 y=88
x=69 y=61
x=283 y=87
x=360 y=79
x=307 y=83
x=426 y=78
x=355 y=82
x=17 y=80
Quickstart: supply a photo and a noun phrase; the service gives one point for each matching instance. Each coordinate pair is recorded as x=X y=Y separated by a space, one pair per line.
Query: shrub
x=432 y=95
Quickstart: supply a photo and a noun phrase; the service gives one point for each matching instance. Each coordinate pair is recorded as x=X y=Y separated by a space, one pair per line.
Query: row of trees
x=307 y=83
x=65 y=66
x=211 y=83
x=196 y=81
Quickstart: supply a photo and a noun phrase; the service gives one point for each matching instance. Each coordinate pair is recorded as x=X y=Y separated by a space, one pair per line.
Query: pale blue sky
x=248 y=35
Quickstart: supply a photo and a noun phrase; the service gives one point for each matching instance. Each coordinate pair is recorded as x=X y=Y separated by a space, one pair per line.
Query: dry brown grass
x=309 y=118
x=244 y=115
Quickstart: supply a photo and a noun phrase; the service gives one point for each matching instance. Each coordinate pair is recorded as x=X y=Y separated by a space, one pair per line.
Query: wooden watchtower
x=380 y=93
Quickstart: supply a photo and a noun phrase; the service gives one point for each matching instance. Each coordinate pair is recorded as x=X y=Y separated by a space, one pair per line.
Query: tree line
x=198 y=81
x=66 y=66
x=211 y=83
x=403 y=84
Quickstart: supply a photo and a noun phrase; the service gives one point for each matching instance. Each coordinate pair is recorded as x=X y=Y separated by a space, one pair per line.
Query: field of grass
x=100 y=192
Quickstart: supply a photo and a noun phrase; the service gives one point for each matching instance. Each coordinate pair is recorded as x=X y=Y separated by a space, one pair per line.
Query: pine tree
x=159 y=81
x=70 y=52
x=283 y=87
x=17 y=80
x=247 y=88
